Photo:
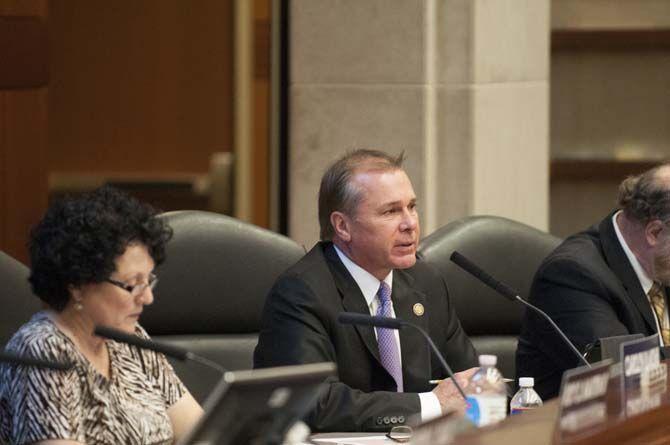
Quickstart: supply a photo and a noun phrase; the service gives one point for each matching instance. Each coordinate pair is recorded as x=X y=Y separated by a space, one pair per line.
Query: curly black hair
x=79 y=239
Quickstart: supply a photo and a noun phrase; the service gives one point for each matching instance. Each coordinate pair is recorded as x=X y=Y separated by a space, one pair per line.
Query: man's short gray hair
x=337 y=193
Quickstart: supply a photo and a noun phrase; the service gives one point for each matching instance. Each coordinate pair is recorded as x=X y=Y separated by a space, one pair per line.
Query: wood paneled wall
x=261 y=112
x=135 y=86
x=23 y=133
x=140 y=85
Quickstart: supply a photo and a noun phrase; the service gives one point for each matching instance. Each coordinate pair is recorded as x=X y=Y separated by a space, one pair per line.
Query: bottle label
x=519 y=410
x=486 y=409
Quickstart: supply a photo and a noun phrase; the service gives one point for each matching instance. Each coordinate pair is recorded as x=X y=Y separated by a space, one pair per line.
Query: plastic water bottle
x=525 y=398
x=486 y=393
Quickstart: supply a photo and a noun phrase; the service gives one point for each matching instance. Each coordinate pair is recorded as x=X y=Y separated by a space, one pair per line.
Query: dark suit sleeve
x=296 y=330
x=578 y=302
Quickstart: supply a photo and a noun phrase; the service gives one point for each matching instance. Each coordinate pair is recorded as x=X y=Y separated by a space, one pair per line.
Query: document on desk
x=350 y=439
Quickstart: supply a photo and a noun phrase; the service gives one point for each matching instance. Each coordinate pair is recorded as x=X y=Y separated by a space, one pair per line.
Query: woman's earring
x=78 y=306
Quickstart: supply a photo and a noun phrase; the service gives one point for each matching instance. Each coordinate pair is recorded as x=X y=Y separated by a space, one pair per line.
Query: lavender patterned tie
x=389 y=352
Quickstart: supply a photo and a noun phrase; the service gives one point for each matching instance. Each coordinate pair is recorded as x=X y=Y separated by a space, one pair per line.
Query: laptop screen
x=258 y=406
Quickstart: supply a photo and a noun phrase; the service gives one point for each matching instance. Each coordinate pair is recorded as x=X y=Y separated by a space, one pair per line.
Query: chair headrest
x=508 y=250
x=216 y=276
x=16 y=298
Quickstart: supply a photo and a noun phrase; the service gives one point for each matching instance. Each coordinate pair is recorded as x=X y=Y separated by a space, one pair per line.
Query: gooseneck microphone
x=169 y=350
x=370 y=320
x=396 y=323
x=8 y=357
x=511 y=295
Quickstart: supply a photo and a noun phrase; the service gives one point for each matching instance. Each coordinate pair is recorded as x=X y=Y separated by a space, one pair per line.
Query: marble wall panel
x=328 y=121
x=353 y=41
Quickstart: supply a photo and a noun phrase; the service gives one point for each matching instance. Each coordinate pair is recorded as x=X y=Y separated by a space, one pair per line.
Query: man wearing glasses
x=366 y=263
x=607 y=281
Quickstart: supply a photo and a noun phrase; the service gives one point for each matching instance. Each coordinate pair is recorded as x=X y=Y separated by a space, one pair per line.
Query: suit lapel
x=618 y=262
x=352 y=299
x=414 y=351
x=415 y=354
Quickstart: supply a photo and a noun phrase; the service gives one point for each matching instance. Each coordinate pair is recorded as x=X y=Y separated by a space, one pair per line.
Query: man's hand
x=447 y=393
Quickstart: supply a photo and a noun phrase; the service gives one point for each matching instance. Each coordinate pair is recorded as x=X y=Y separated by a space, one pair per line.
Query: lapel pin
x=418 y=309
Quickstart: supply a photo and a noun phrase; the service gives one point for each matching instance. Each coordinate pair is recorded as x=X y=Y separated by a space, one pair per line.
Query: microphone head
x=464 y=263
x=483 y=276
x=8 y=357
x=131 y=339
x=110 y=333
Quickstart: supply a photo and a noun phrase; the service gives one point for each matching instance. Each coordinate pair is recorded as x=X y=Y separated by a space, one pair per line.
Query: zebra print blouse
x=80 y=404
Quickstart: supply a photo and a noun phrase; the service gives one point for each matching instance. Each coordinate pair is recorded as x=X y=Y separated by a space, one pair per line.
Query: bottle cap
x=526 y=382
x=487 y=360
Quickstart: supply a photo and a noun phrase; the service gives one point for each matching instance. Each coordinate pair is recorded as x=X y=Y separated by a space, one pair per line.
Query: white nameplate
x=582 y=401
x=637 y=356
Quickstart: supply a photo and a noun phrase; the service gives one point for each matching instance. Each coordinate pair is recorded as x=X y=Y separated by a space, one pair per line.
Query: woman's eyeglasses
x=135 y=290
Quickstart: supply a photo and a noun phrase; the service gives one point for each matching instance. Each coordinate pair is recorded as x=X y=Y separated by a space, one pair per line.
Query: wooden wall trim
x=4 y=182
x=569 y=170
x=23 y=52
x=610 y=39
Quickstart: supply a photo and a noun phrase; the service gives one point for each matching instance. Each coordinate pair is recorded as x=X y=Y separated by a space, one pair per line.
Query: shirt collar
x=645 y=281
x=367 y=283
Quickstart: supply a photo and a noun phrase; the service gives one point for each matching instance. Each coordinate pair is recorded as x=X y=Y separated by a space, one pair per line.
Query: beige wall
x=610 y=104
x=610 y=14
x=606 y=104
x=460 y=85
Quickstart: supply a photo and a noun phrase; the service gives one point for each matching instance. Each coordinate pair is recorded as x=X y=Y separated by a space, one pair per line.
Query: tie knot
x=384 y=293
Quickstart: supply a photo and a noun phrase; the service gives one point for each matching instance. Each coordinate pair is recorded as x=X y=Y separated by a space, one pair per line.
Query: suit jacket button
x=401 y=419
x=386 y=420
x=379 y=421
x=394 y=419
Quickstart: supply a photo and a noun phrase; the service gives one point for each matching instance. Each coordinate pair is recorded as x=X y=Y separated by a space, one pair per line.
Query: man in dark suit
x=609 y=280
x=366 y=263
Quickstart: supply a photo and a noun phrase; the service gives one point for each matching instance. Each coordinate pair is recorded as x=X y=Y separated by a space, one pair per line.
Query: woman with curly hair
x=92 y=263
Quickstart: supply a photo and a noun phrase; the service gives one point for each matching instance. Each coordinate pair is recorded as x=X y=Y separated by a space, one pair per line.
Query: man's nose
x=410 y=220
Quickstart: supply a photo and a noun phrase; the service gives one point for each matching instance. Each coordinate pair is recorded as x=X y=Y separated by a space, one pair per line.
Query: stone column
x=460 y=85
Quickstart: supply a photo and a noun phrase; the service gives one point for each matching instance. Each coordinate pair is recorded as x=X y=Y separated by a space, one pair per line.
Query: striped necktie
x=389 y=352
x=657 y=299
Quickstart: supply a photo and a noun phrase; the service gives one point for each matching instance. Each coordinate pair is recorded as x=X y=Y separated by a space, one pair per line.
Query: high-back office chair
x=17 y=302
x=508 y=250
x=212 y=288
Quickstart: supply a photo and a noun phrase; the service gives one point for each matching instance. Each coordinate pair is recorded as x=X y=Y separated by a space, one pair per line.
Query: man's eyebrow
x=395 y=203
x=387 y=204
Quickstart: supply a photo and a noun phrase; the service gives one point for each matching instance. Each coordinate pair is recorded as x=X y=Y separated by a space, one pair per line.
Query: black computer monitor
x=258 y=406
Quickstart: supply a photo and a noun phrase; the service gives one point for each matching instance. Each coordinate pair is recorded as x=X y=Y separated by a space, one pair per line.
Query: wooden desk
x=646 y=422
x=631 y=420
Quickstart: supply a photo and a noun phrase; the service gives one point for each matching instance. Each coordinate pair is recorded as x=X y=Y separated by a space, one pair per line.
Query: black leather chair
x=508 y=250
x=211 y=291
x=17 y=300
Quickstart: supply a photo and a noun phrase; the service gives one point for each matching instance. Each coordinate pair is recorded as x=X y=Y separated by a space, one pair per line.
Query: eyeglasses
x=135 y=290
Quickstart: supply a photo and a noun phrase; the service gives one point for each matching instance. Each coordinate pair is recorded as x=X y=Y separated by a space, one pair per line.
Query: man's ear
x=652 y=231
x=341 y=225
